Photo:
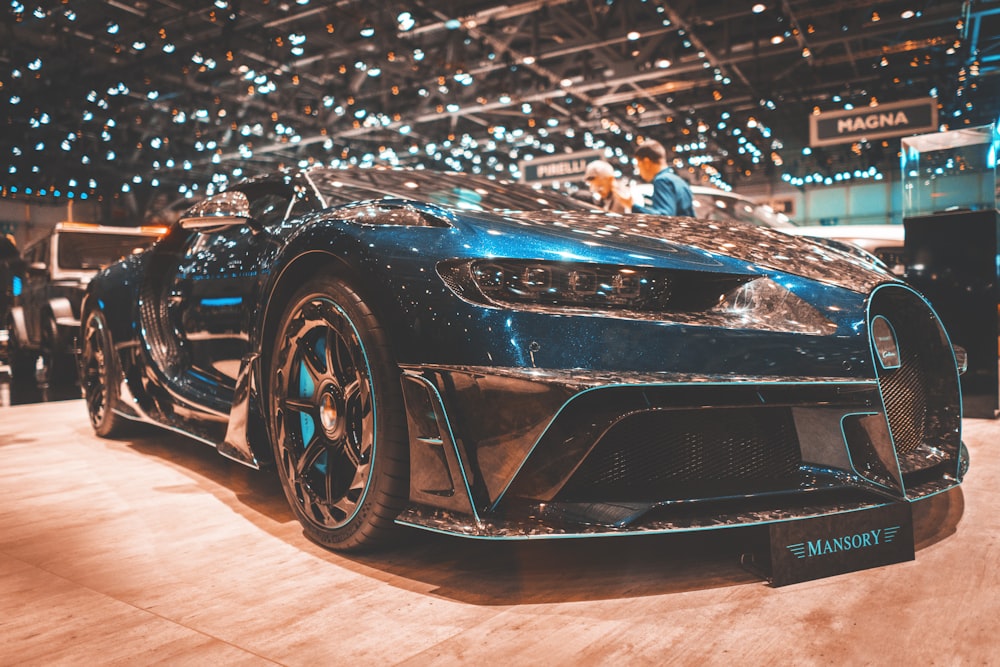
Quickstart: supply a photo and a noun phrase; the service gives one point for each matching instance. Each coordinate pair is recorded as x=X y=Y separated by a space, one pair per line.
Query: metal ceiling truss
x=339 y=80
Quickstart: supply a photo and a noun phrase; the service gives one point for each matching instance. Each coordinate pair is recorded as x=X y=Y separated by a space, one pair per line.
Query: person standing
x=671 y=194
x=600 y=178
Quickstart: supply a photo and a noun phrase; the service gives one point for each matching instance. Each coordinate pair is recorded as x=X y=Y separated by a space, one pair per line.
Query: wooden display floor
x=157 y=550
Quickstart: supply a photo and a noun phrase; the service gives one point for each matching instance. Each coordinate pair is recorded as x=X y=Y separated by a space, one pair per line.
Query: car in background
x=11 y=275
x=43 y=322
x=11 y=284
x=481 y=358
x=883 y=241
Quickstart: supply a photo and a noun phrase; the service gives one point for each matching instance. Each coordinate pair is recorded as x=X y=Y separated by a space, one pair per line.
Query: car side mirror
x=222 y=210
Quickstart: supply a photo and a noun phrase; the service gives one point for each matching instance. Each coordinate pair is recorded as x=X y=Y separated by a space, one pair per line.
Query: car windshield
x=461 y=191
x=712 y=206
x=92 y=251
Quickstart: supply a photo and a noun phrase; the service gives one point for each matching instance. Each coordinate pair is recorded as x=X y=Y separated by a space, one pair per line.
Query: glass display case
x=950 y=171
x=952 y=247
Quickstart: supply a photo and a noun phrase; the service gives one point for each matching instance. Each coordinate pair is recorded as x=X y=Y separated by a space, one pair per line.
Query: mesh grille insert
x=661 y=455
x=905 y=397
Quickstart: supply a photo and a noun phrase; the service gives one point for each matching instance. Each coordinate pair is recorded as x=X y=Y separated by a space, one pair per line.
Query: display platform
x=155 y=548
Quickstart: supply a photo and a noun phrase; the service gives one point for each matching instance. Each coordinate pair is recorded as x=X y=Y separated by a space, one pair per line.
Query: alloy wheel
x=325 y=413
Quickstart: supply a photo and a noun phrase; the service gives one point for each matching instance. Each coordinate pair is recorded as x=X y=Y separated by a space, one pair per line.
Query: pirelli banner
x=557 y=167
x=897 y=119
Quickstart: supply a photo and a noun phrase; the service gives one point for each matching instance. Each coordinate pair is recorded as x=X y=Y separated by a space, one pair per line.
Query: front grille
x=921 y=396
x=673 y=454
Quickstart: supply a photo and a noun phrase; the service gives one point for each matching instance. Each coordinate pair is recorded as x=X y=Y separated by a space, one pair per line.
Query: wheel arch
x=114 y=291
x=61 y=309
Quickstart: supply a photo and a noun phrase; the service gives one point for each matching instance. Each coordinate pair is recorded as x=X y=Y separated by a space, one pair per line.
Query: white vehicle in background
x=883 y=241
x=42 y=325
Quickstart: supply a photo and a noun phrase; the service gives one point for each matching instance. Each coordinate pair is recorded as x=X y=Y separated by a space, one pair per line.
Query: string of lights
x=104 y=99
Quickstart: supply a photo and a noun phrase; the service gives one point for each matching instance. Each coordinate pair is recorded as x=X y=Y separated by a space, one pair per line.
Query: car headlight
x=690 y=297
x=587 y=286
x=573 y=285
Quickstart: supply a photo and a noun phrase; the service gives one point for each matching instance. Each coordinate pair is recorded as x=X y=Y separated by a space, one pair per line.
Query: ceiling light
x=907 y=14
x=405 y=21
x=633 y=35
x=758 y=8
x=777 y=39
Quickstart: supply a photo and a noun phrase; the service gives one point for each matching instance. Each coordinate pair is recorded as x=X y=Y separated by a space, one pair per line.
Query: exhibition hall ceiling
x=102 y=97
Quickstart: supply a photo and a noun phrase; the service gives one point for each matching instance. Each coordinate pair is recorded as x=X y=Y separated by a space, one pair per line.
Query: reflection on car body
x=481 y=358
x=882 y=241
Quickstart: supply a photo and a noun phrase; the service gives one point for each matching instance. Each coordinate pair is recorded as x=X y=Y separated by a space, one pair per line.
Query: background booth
x=953 y=247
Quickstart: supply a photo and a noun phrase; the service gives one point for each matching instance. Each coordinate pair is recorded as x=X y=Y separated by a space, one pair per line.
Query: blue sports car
x=485 y=359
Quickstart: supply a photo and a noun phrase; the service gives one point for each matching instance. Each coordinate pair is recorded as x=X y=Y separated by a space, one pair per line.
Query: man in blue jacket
x=671 y=194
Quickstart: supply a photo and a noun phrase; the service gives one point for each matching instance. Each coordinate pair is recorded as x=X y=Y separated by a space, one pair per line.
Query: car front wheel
x=336 y=417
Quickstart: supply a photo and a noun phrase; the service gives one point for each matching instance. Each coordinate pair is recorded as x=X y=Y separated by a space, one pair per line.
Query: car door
x=206 y=282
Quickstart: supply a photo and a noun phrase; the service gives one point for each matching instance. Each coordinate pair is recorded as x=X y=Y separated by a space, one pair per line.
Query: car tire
x=100 y=374
x=336 y=417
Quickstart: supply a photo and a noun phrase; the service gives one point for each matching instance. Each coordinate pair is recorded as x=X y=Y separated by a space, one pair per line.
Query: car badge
x=884 y=340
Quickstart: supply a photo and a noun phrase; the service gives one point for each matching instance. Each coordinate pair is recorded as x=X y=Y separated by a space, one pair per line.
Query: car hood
x=681 y=242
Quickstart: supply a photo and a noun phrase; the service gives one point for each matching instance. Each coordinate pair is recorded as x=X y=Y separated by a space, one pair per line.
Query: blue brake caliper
x=306 y=390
